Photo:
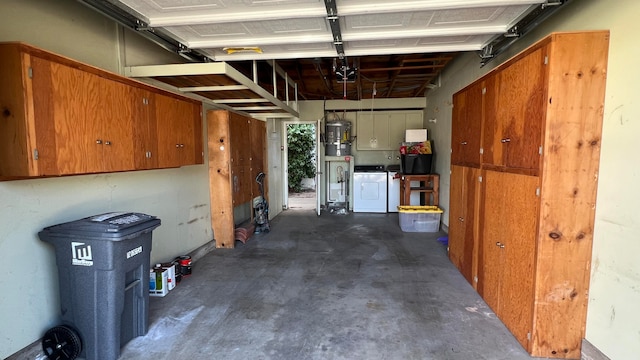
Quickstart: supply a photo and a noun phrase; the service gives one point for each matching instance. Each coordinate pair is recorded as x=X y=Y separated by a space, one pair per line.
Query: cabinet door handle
x=177 y=145
x=107 y=142
x=461 y=218
x=98 y=141
x=464 y=143
x=181 y=145
x=505 y=140
x=498 y=243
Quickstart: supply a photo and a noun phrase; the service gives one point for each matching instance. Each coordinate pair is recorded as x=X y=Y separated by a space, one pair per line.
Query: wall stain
x=613 y=314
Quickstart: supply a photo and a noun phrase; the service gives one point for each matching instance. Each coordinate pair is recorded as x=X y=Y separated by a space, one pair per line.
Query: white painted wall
x=613 y=322
x=179 y=197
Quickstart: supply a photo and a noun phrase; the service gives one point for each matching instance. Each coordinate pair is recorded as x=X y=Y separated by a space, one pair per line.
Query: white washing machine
x=393 y=193
x=370 y=189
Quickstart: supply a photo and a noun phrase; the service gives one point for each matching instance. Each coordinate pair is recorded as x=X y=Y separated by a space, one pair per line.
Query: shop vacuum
x=261 y=208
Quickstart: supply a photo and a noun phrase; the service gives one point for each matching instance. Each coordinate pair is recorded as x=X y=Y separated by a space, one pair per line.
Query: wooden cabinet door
x=80 y=131
x=458 y=128
x=258 y=155
x=179 y=132
x=466 y=126
x=473 y=126
x=510 y=210
x=463 y=239
x=522 y=107
x=241 y=183
x=145 y=142
x=17 y=137
x=240 y=139
x=519 y=228
x=70 y=141
x=190 y=135
x=515 y=114
x=115 y=115
x=492 y=146
x=490 y=258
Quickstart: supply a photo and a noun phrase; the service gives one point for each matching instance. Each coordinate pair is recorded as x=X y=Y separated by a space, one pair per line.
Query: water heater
x=337 y=138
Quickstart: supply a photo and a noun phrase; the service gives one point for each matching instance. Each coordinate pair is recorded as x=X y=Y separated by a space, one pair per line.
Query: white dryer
x=370 y=189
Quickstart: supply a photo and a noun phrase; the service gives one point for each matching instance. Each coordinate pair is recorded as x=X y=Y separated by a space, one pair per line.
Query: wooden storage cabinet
x=541 y=130
x=236 y=146
x=62 y=117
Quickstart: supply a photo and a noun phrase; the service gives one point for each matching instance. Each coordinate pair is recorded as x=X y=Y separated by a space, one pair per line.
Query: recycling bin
x=103 y=271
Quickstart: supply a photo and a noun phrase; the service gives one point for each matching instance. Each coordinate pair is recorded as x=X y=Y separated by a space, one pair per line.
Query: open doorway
x=300 y=165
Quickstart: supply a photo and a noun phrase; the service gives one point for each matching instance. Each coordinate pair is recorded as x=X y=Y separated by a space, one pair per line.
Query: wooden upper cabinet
x=62 y=117
x=79 y=132
x=178 y=124
x=467 y=125
x=515 y=114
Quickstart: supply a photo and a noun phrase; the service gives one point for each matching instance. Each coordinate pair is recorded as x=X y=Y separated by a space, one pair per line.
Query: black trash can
x=103 y=269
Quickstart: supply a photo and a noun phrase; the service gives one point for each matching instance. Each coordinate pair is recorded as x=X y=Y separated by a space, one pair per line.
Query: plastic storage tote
x=103 y=269
x=419 y=218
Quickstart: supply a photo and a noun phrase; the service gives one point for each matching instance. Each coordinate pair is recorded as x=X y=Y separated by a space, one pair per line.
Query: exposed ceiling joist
x=231 y=89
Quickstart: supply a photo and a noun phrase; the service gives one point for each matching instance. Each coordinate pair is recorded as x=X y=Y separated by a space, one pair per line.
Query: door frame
x=285 y=160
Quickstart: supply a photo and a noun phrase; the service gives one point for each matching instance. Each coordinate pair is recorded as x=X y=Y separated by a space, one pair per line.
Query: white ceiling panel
x=313 y=38
x=189 y=12
x=295 y=28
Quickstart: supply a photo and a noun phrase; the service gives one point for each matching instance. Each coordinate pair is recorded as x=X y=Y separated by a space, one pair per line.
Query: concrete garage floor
x=330 y=287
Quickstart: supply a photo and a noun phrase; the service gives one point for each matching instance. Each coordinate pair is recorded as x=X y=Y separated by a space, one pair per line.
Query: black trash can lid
x=108 y=223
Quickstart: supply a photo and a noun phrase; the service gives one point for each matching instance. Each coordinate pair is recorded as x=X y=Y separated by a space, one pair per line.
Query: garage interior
x=328 y=286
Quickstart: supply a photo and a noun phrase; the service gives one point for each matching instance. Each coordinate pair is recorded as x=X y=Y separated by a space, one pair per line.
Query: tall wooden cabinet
x=62 y=117
x=541 y=123
x=237 y=147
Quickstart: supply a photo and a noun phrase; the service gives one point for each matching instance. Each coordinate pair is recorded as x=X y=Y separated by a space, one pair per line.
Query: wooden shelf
x=429 y=184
